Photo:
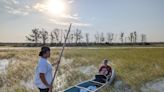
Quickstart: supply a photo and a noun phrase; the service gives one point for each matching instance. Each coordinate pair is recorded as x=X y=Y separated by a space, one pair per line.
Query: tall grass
x=134 y=66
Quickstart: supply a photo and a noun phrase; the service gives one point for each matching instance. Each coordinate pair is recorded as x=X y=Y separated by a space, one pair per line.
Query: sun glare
x=56 y=7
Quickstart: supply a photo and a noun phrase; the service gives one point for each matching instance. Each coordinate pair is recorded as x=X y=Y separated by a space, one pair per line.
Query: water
x=154 y=86
x=3 y=65
x=88 y=70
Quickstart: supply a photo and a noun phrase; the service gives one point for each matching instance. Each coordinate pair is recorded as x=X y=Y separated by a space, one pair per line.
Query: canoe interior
x=73 y=89
x=88 y=83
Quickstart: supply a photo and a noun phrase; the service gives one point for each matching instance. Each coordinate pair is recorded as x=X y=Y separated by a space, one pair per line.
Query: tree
x=78 y=36
x=70 y=38
x=135 y=36
x=34 y=36
x=56 y=32
x=87 y=37
x=143 y=38
x=102 y=38
x=52 y=37
x=122 y=37
x=131 y=38
x=110 y=37
x=44 y=35
x=97 y=37
x=65 y=33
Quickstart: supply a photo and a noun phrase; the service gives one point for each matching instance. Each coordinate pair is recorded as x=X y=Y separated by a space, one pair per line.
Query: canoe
x=91 y=85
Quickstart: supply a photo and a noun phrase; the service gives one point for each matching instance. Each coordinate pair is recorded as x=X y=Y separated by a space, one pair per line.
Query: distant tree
x=44 y=35
x=122 y=37
x=126 y=39
x=131 y=37
x=78 y=36
x=56 y=34
x=61 y=36
x=34 y=36
x=135 y=36
x=87 y=37
x=52 y=37
x=102 y=38
x=71 y=37
x=143 y=38
x=65 y=33
x=110 y=37
x=97 y=37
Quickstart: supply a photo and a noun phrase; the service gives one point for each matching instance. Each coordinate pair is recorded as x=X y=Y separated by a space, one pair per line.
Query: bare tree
x=61 y=36
x=97 y=37
x=102 y=38
x=135 y=36
x=78 y=36
x=44 y=35
x=56 y=33
x=122 y=37
x=87 y=37
x=52 y=37
x=131 y=38
x=143 y=38
x=110 y=37
x=65 y=33
x=34 y=36
x=70 y=38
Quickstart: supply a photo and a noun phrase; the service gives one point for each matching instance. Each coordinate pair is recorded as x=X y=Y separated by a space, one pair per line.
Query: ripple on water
x=88 y=70
x=3 y=65
x=154 y=86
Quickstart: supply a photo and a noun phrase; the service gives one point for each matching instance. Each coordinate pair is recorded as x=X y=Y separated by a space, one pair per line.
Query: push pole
x=58 y=63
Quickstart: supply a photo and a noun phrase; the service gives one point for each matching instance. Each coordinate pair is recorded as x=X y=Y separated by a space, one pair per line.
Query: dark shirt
x=109 y=69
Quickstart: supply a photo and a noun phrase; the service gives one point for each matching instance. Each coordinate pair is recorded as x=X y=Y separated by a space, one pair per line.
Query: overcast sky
x=18 y=17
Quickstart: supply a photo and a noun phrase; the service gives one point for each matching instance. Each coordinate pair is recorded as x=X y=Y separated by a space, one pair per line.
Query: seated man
x=105 y=69
x=105 y=72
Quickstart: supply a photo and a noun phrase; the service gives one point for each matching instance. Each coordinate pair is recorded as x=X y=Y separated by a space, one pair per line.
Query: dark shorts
x=100 y=78
x=44 y=90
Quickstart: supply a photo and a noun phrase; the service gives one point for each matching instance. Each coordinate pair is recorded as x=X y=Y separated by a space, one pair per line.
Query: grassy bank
x=134 y=66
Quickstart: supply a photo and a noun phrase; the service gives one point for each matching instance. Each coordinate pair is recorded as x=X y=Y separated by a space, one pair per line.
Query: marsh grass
x=134 y=66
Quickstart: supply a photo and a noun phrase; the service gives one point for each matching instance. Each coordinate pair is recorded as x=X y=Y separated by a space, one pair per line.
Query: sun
x=56 y=7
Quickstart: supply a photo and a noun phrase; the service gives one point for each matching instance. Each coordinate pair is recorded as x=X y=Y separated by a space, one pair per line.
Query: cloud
x=70 y=1
x=42 y=8
x=17 y=7
x=59 y=22
x=9 y=2
x=74 y=17
x=39 y=7
x=17 y=11
x=14 y=1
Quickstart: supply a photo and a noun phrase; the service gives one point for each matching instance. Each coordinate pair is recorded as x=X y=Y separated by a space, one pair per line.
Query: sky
x=19 y=17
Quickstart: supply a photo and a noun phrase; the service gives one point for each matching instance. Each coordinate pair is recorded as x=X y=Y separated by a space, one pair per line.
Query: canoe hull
x=86 y=84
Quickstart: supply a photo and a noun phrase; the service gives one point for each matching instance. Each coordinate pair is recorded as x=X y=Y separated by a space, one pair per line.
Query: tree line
x=57 y=36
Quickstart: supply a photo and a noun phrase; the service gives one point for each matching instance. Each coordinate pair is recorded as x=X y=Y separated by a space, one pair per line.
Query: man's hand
x=49 y=87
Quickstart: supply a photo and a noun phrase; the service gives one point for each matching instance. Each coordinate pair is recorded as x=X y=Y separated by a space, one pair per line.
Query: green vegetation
x=134 y=66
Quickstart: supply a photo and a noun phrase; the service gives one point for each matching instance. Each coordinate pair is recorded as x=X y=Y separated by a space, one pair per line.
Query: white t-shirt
x=43 y=67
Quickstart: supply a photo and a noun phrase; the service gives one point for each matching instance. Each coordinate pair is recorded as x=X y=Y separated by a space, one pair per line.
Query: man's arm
x=100 y=69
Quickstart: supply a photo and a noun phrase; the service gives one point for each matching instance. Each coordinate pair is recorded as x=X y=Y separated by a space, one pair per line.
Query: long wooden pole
x=58 y=63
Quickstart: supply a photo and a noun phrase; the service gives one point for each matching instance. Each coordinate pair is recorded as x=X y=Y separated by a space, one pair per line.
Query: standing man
x=43 y=73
